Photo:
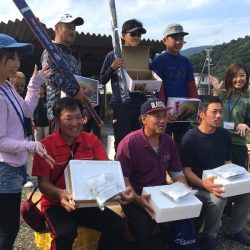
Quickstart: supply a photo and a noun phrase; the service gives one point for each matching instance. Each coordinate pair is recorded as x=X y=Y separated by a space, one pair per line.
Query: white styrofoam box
x=78 y=172
x=168 y=210
x=140 y=81
x=231 y=186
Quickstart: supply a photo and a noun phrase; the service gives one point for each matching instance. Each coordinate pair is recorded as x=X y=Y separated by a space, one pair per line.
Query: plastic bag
x=183 y=236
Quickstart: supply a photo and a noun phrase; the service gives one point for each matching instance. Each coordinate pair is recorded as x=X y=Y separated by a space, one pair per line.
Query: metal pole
x=208 y=59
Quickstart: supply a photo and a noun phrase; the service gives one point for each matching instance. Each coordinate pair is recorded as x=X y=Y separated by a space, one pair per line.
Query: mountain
x=194 y=50
x=236 y=51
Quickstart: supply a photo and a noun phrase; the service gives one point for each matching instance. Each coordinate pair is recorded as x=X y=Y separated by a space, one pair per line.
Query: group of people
x=148 y=148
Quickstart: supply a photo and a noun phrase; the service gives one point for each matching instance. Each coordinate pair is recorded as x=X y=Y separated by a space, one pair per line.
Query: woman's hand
x=242 y=129
x=44 y=72
x=42 y=152
x=216 y=84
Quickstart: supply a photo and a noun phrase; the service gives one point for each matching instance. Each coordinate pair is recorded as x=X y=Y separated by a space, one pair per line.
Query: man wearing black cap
x=145 y=156
x=176 y=72
x=125 y=115
x=65 y=32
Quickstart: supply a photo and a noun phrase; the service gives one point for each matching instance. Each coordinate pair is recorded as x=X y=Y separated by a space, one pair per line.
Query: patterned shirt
x=57 y=82
x=236 y=109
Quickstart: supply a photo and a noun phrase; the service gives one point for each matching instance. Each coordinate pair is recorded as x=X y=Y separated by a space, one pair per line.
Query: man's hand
x=67 y=201
x=209 y=185
x=127 y=196
x=117 y=63
x=143 y=201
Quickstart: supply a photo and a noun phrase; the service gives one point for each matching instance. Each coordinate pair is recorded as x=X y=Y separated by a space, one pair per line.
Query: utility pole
x=207 y=63
x=208 y=60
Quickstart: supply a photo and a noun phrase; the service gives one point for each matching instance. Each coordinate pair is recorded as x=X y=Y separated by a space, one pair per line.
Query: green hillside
x=194 y=50
x=223 y=55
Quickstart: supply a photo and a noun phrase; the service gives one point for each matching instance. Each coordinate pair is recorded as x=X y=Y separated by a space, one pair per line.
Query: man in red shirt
x=61 y=214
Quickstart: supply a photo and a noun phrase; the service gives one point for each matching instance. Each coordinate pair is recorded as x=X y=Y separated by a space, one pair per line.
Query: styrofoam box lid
x=81 y=170
x=135 y=57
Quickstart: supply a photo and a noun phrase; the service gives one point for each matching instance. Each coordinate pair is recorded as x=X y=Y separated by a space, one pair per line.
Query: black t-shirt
x=205 y=151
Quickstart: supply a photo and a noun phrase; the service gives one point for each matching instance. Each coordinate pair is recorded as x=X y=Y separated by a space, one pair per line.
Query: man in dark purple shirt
x=146 y=155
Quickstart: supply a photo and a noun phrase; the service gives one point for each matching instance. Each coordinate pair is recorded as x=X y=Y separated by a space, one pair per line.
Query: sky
x=209 y=22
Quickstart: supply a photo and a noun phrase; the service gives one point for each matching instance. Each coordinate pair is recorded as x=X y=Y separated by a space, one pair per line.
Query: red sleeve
x=40 y=167
x=192 y=90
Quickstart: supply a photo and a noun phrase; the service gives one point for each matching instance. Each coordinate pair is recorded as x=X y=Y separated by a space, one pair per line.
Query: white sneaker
x=29 y=184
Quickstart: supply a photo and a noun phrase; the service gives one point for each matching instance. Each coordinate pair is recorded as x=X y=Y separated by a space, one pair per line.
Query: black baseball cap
x=152 y=105
x=133 y=25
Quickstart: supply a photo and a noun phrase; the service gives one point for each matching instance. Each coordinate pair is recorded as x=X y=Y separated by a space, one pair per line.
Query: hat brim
x=22 y=48
x=181 y=33
x=142 y=30
x=157 y=109
x=77 y=21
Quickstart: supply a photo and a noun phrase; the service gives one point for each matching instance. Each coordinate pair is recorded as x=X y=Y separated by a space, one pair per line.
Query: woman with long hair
x=236 y=105
x=14 y=148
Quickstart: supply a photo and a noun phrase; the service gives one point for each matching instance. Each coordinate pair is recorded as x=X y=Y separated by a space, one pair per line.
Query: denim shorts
x=11 y=178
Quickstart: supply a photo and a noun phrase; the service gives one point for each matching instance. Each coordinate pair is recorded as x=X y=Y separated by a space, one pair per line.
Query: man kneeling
x=61 y=214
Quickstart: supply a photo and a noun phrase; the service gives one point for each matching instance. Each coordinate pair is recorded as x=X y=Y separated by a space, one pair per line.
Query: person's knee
x=217 y=203
x=117 y=228
x=142 y=230
x=66 y=238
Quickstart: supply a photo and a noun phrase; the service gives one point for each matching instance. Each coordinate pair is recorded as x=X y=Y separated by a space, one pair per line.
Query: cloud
x=200 y=3
x=212 y=32
x=207 y=21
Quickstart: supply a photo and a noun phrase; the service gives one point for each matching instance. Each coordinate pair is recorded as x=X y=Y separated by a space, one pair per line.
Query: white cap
x=173 y=29
x=67 y=18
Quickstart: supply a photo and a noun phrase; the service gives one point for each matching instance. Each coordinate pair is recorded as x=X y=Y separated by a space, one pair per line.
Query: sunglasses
x=135 y=33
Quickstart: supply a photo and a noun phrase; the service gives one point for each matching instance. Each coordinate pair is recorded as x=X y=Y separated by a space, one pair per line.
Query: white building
x=201 y=81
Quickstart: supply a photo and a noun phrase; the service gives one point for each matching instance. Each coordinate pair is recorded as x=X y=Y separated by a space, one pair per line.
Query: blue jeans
x=11 y=178
x=212 y=210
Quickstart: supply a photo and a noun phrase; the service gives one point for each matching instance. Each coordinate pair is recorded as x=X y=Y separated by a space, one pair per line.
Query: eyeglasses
x=134 y=33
